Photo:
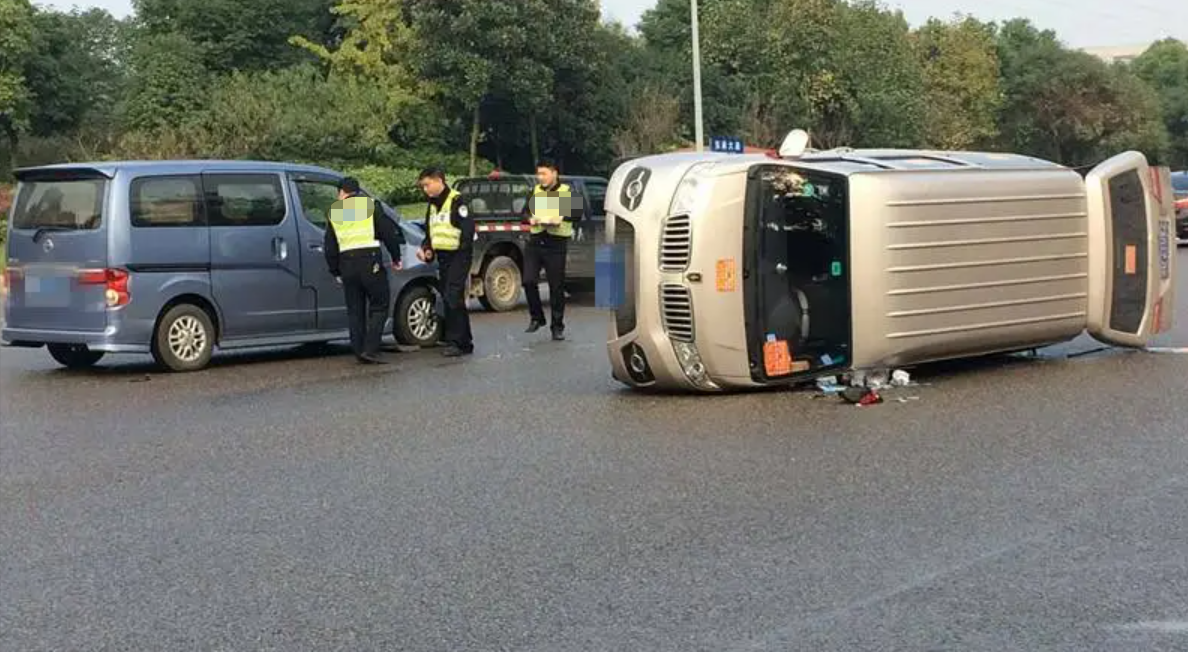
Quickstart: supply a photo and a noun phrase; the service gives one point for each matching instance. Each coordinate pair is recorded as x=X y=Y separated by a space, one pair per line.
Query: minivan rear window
x=66 y=205
x=1180 y=182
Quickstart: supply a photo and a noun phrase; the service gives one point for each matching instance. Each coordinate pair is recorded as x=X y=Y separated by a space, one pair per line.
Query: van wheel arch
x=194 y=300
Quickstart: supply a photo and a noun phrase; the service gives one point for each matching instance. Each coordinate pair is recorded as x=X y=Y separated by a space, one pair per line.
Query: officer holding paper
x=551 y=210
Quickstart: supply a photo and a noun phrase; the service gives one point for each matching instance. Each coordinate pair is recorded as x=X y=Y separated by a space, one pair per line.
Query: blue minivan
x=178 y=259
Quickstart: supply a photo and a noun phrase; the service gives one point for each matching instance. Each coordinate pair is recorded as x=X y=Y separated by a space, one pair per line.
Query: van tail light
x=10 y=280
x=115 y=282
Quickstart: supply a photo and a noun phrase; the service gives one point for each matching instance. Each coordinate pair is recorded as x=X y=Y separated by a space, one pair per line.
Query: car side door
x=255 y=264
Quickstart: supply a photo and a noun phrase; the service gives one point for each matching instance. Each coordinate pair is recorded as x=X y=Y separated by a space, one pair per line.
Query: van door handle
x=316 y=247
x=280 y=249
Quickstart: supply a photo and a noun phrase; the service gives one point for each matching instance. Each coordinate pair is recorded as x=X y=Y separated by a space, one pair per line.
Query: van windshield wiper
x=42 y=230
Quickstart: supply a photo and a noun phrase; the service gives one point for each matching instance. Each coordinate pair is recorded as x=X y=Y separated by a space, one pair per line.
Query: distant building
x=1118 y=53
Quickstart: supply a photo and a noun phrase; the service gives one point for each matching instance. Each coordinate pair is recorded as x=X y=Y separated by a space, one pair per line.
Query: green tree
x=1069 y=106
x=75 y=70
x=1165 y=67
x=468 y=44
x=962 y=85
x=238 y=34
x=168 y=83
x=299 y=114
x=16 y=34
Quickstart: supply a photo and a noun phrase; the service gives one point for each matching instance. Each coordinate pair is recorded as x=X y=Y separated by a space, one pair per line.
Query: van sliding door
x=1131 y=251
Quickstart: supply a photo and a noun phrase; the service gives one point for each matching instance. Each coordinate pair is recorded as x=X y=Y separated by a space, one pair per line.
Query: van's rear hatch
x=57 y=251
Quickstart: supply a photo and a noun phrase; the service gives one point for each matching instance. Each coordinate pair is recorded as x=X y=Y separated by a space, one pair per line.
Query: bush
x=398 y=186
x=394 y=185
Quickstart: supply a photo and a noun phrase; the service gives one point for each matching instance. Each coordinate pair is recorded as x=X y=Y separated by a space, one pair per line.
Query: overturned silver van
x=728 y=272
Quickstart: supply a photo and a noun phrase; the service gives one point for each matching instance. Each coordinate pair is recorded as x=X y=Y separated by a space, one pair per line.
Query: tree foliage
x=240 y=34
x=962 y=86
x=394 y=85
x=1165 y=68
x=16 y=36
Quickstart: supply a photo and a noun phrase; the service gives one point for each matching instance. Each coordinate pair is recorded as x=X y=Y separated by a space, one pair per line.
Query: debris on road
x=828 y=385
x=901 y=378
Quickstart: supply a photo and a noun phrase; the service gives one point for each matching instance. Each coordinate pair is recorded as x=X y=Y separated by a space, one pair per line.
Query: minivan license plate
x=47 y=292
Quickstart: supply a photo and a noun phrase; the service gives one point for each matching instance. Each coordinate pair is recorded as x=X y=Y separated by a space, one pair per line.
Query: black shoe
x=368 y=358
x=535 y=326
x=455 y=352
x=558 y=336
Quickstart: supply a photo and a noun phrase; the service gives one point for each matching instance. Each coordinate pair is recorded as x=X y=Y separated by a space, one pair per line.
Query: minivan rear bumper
x=96 y=341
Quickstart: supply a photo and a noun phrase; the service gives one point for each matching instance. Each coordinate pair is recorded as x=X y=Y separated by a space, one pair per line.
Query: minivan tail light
x=116 y=281
x=11 y=277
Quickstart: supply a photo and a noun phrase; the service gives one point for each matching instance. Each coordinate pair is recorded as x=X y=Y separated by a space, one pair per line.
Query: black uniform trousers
x=546 y=252
x=453 y=268
x=365 y=284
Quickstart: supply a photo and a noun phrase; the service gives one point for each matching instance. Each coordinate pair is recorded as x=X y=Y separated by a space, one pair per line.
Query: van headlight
x=693 y=191
x=692 y=365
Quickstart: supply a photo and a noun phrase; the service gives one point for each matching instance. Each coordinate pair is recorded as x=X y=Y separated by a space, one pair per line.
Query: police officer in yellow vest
x=552 y=209
x=352 y=247
x=449 y=239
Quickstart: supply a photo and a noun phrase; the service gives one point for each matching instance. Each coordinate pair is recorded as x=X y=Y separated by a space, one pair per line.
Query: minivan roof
x=110 y=168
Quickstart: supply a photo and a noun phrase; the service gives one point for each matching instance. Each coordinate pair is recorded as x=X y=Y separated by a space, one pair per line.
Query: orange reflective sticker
x=1158 y=316
x=727 y=277
x=777 y=359
x=1131 y=259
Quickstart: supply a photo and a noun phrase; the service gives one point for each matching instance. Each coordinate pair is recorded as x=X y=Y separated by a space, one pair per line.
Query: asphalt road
x=522 y=501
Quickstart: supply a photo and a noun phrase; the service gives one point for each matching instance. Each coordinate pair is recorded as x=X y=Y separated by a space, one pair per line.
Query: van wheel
x=74 y=356
x=501 y=284
x=184 y=340
x=416 y=322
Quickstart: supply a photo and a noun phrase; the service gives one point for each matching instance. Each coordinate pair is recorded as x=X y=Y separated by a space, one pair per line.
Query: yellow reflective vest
x=443 y=235
x=353 y=220
x=547 y=208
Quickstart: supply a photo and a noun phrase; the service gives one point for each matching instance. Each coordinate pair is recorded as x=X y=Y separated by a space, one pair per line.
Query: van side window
x=316 y=198
x=244 y=199
x=166 y=201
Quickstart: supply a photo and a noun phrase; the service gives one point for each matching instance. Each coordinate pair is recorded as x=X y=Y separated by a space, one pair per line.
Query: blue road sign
x=727 y=144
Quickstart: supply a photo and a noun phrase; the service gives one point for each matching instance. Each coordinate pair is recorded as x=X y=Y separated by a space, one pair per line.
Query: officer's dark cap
x=349 y=185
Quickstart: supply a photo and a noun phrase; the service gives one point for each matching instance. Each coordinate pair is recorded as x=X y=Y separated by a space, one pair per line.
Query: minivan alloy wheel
x=187 y=339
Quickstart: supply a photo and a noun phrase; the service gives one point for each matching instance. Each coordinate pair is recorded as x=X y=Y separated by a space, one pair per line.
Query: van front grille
x=676 y=243
x=676 y=309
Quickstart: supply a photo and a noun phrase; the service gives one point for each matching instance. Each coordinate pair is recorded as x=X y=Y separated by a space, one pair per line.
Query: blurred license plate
x=610 y=276
x=47 y=291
